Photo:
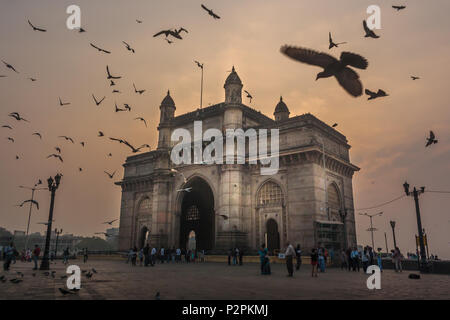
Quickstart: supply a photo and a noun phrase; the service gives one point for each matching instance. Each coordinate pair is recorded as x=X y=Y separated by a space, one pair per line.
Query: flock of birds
x=341 y=69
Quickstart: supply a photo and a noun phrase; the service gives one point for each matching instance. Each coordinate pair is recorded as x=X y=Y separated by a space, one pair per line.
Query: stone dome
x=281 y=107
x=233 y=78
x=168 y=101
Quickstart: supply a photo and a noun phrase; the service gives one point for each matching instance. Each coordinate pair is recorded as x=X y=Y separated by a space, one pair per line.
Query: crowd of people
x=147 y=256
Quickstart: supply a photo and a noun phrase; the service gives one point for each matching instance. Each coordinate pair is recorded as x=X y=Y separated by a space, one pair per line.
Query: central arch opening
x=273 y=236
x=197 y=215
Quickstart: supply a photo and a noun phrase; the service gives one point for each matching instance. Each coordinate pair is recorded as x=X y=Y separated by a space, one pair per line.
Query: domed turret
x=167 y=108
x=281 y=111
x=233 y=88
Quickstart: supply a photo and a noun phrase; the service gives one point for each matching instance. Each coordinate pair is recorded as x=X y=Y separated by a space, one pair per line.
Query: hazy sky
x=387 y=135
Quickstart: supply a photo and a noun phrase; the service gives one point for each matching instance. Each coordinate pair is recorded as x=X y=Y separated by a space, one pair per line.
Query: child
x=314 y=258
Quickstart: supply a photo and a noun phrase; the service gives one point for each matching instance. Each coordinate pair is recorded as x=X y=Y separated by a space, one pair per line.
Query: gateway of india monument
x=215 y=207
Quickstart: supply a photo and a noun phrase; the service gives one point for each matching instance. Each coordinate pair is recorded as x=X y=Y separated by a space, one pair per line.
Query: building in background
x=232 y=204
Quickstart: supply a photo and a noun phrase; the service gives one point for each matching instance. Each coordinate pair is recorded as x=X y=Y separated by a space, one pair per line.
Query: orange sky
x=387 y=135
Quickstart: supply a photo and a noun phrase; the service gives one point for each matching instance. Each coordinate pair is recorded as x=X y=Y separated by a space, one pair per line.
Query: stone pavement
x=117 y=280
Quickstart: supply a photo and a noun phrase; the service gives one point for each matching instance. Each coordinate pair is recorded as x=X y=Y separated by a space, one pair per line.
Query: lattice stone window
x=270 y=194
x=145 y=205
x=192 y=214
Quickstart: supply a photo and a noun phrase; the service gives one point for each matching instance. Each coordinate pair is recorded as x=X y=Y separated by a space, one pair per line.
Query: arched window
x=192 y=213
x=270 y=194
x=334 y=202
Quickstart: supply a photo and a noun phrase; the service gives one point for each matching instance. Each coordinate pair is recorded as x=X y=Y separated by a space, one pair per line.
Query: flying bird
x=127 y=106
x=415 y=78
x=63 y=103
x=110 y=175
x=200 y=65
x=373 y=95
x=37 y=134
x=80 y=169
x=7 y=126
x=369 y=33
x=98 y=102
x=17 y=116
x=167 y=33
x=81 y=30
x=100 y=134
x=431 y=140
x=115 y=91
x=346 y=77
x=133 y=149
x=55 y=156
x=35 y=28
x=10 y=139
x=138 y=21
x=32 y=79
x=138 y=91
x=112 y=83
x=58 y=149
x=9 y=66
x=332 y=43
x=30 y=201
x=128 y=47
x=110 y=222
x=249 y=95
x=210 y=12
x=67 y=138
x=141 y=119
x=118 y=109
x=185 y=190
x=100 y=49
x=83 y=143
x=110 y=76
x=398 y=8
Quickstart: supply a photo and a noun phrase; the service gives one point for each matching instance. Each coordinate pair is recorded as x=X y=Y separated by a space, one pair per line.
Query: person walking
x=85 y=255
x=344 y=260
x=36 y=253
x=178 y=258
x=397 y=259
x=321 y=255
x=365 y=259
x=146 y=252
x=263 y=260
x=290 y=253
x=314 y=261
x=66 y=254
x=298 y=255
x=141 y=256
x=230 y=252
x=133 y=256
x=153 y=256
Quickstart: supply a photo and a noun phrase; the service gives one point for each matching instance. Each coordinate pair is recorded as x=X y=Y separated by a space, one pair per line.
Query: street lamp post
x=393 y=232
x=33 y=189
x=415 y=194
x=372 y=229
x=52 y=186
x=56 y=243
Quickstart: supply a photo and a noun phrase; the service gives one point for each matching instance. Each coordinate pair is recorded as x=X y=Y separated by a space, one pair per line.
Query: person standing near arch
x=290 y=253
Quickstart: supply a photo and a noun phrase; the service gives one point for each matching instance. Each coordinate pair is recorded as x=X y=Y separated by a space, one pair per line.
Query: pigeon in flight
x=58 y=149
x=98 y=102
x=81 y=30
x=200 y=65
x=373 y=95
x=333 y=44
x=10 y=66
x=346 y=77
x=249 y=95
x=37 y=134
x=431 y=140
x=119 y=109
x=17 y=116
x=67 y=138
x=100 y=134
x=32 y=79
x=185 y=190
x=138 y=21
x=63 y=103
x=398 y=8
x=128 y=47
x=83 y=143
x=138 y=91
x=167 y=33
x=56 y=156
x=110 y=222
x=100 y=49
x=110 y=175
x=35 y=28
x=110 y=76
x=29 y=201
x=10 y=139
x=116 y=91
x=210 y=12
x=141 y=119
x=415 y=78
x=7 y=126
x=127 y=106
x=369 y=33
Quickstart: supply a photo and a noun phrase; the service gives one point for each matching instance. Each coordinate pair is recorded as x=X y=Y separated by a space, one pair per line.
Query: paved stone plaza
x=117 y=280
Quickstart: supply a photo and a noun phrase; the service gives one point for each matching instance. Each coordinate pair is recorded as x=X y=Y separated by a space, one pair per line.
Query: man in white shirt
x=290 y=253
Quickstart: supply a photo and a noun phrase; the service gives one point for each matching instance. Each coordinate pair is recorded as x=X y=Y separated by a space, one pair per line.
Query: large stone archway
x=197 y=214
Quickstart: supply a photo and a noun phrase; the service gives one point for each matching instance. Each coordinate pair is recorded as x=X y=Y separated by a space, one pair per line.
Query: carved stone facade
x=230 y=205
